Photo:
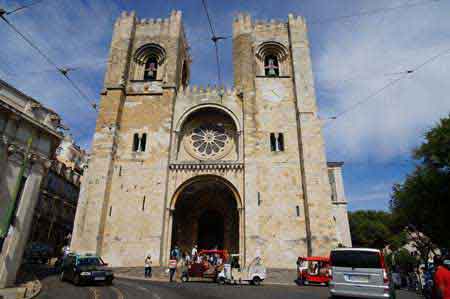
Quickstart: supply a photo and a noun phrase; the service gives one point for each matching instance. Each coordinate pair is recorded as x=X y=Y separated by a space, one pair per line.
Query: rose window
x=208 y=142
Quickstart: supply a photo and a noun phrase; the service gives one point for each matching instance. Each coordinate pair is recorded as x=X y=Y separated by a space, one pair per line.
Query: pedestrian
x=65 y=250
x=148 y=266
x=172 y=267
x=442 y=280
x=176 y=253
x=187 y=258
x=301 y=268
x=194 y=251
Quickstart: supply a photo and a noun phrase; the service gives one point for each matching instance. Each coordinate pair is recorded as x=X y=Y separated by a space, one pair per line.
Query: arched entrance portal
x=206 y=214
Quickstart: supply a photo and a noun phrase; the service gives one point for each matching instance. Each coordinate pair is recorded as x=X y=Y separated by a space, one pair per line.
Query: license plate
x=99 y=278
x=359 y=278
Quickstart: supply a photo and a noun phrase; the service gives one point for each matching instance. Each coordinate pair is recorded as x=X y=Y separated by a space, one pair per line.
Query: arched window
x=280 y=142
x=271 y=66
x=185 y=75
x=143 y=142
x=135 y=142
x=148 y=59
x=273 y=142
x=272 y=57
x=151 y=69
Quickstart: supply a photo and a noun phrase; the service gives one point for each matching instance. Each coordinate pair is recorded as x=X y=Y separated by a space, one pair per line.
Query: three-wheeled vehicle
x=316 y=270
x=205 y=266
x=254 y=273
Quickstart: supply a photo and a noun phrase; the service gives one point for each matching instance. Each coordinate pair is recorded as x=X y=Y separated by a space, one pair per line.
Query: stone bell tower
x=148 y=63
x=285 y=162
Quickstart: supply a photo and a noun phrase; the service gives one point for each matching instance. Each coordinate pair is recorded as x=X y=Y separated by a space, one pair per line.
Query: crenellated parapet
x=158 y=26
x=208 y=90
x=243 y=24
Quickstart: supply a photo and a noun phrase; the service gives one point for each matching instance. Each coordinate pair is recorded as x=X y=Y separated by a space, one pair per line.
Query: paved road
x=133 y=289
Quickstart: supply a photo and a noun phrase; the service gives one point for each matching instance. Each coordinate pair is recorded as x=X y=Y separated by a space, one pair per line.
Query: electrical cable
x=21 y=7
x=386 y=86
x=214 y=39
x=371 y=12
x=209 y=18
x=63 y=71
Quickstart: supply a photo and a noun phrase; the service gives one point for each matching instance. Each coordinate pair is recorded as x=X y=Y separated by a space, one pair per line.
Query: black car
x=38 y=253
x=85 y=269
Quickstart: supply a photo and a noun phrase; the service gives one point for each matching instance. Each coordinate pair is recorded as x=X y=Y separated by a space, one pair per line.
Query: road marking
x=94 y=293
x=134 y=286
x=118 y=292
x=154 y=295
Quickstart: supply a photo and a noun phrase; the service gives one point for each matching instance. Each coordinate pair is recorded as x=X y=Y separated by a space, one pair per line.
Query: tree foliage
x=422 y=201
x=370 y=228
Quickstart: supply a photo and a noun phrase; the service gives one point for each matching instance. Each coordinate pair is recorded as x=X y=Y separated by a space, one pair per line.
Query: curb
x=36 y=289
x=167 y=280
x=26 y=291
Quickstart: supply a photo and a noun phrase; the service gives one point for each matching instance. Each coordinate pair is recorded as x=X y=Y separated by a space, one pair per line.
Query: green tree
x=422 y=201
x=370 y=228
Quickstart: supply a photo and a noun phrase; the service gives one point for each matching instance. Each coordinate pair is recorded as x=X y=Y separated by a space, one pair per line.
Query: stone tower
x=296 y=177
x=243 y=169
x=122 y=118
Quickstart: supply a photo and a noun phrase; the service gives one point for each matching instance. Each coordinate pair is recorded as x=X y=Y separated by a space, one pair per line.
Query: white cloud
x=367 y=49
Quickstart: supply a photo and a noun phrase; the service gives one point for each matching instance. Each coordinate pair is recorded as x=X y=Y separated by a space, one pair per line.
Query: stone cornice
x=206 y=165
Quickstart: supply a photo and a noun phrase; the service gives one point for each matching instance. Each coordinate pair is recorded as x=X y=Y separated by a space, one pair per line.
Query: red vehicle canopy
x=324 y=259
x=222 y=253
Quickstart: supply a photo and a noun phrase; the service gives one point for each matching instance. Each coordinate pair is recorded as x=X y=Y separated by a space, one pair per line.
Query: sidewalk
x=27 y=286
x=26 y=291
x=274 y=276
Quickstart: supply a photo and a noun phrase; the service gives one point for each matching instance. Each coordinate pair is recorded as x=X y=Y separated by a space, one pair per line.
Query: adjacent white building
x=29 y=137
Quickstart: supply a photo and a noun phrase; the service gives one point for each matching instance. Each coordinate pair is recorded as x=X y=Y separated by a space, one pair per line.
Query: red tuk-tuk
x=206 y=265
x=314 y=270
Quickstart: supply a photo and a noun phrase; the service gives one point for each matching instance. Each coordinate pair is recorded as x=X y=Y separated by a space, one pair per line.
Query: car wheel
x=221 y=280
x=109 y=282
x=61 y=276
x=184 y=278
x=77 y=280
x=256 y=281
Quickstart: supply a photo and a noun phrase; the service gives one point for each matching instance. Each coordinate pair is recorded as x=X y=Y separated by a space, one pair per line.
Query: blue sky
x=352 y=58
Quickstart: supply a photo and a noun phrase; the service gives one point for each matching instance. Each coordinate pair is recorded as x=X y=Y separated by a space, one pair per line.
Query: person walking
x=172 y=267
x=176 y=253
x=148 y=266
x=194 y=251
x=442 y=280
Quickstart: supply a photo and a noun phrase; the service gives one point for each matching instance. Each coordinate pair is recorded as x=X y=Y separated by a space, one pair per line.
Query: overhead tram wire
x=371 y=12
x=3 y=12
x=214 y=39
x=386 y=86
x=63 y=71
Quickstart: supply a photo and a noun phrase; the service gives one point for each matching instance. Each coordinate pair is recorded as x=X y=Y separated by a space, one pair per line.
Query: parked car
x=81 y=269
x=359 y=272
x=38 y=253
x=253 y=274
x=203 y=269
x=317 y=270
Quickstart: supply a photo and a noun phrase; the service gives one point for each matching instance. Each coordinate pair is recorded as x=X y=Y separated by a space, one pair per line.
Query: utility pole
x=11 y=208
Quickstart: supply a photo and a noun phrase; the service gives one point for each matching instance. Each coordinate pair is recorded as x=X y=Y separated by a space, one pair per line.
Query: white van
x=359 y=272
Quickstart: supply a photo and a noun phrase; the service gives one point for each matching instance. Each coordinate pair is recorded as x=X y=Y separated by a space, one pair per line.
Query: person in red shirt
x=442 y=280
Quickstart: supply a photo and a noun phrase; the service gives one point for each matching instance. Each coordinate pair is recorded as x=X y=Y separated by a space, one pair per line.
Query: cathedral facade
x=242 y=169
